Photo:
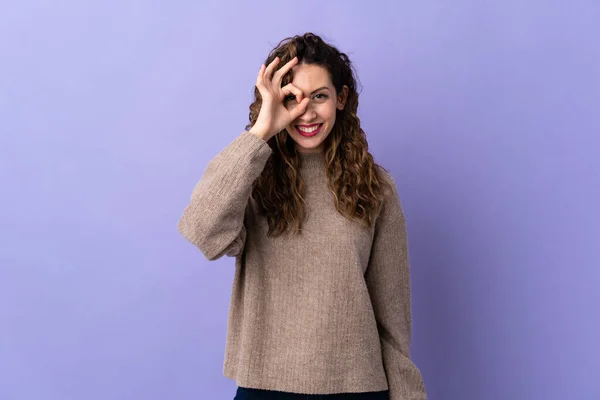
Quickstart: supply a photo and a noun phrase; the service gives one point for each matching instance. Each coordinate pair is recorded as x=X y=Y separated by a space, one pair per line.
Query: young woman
x=320 y=304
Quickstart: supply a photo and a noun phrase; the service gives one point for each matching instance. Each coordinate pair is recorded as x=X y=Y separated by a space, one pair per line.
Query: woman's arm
x=214 y=218
x=388 y=281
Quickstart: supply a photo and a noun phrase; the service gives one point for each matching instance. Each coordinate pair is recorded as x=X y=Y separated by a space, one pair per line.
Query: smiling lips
x=308 y=130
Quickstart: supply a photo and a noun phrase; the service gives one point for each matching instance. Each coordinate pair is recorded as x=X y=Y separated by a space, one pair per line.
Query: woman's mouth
x=308 y=130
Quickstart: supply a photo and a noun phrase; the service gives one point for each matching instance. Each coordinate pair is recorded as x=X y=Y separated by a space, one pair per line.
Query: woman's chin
x=309 y=144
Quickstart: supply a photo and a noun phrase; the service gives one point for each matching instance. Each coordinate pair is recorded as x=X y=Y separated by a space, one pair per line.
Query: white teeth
x=309 y=130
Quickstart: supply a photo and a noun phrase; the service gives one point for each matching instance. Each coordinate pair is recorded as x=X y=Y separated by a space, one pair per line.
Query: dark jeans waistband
x=260 y=394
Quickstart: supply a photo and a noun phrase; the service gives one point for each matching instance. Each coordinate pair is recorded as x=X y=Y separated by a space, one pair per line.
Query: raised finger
x=269 y=71
x=259 y=78
x=284 y=70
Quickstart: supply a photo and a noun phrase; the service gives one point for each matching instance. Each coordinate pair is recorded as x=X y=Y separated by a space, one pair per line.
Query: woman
x=320 y=304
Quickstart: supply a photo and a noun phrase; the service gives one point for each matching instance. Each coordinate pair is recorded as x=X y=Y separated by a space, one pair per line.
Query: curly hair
x=356 y=182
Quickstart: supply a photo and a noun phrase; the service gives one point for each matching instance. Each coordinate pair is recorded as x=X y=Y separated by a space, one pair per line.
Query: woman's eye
x=321 y=96
x=290 y=97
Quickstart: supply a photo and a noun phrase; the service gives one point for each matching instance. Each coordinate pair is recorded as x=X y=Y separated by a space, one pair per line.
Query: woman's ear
x=342 y=98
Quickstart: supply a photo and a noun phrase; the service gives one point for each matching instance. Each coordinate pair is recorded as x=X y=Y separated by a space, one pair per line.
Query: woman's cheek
x=327 y=110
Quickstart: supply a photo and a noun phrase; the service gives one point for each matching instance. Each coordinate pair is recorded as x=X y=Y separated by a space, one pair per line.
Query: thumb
x=300 y=108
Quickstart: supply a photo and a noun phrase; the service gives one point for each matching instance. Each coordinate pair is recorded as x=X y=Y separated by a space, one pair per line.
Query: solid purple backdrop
x=486 y=113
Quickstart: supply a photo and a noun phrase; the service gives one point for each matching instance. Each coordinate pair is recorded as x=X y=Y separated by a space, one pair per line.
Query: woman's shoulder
x=384 y=173
x=391 y=207
x=389 y=183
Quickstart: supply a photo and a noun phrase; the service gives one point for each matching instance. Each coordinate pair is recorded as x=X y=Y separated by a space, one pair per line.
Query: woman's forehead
x=310 y=77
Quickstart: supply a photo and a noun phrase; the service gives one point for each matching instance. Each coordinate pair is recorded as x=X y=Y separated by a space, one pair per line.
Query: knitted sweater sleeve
x=214 y=218
x=388 y=281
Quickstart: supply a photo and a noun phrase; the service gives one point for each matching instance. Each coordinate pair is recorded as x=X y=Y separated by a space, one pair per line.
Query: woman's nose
x=309 y=114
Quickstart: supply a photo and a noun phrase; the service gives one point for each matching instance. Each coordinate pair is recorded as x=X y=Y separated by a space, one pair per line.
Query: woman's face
x=310 y=129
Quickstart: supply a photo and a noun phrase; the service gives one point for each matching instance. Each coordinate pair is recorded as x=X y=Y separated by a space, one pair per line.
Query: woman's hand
x=274 y=116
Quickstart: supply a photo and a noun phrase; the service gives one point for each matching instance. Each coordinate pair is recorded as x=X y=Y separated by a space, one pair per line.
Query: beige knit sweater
x=324 y=312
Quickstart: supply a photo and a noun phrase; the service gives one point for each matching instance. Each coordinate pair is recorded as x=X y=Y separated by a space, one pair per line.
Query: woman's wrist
x=260 y=133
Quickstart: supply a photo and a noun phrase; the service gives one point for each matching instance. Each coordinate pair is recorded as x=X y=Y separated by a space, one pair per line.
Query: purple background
x=486 y=113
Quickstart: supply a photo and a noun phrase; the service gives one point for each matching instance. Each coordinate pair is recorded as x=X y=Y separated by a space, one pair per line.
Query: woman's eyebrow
x=316 y=90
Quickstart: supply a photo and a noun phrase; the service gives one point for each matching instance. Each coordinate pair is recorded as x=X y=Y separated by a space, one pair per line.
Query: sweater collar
x=312 y=160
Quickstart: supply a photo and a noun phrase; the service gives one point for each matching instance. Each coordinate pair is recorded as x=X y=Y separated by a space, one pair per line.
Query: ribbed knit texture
x=327 y=311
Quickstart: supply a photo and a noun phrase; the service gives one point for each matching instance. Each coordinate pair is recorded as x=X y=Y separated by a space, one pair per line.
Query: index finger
x=284 y=70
